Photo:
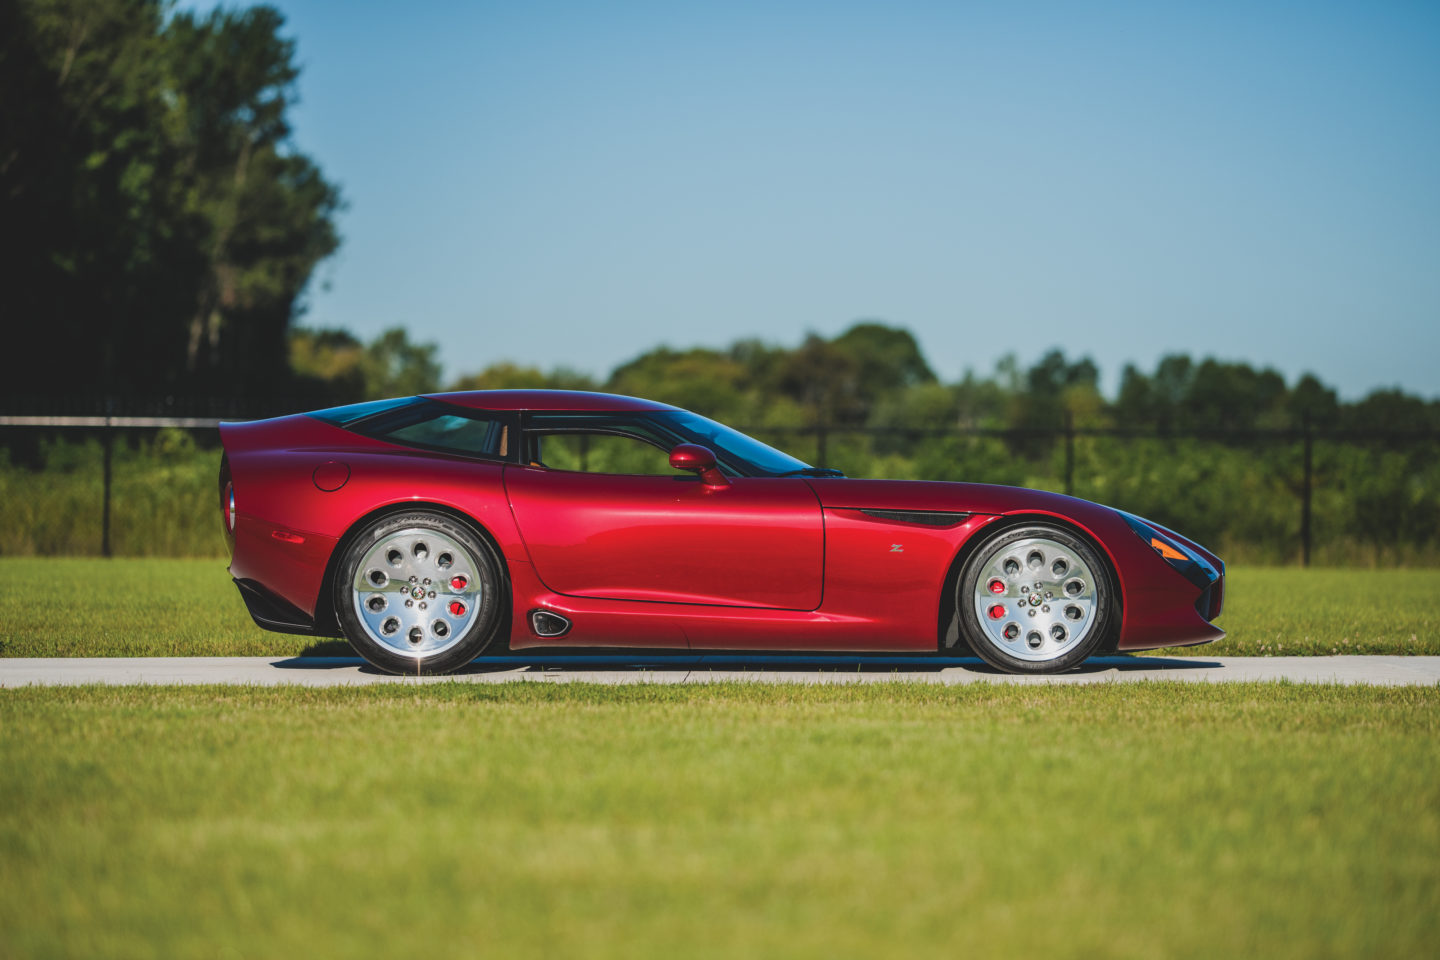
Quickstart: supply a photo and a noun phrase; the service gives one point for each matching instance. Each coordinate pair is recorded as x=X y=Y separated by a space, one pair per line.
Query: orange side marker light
x=1167 y=551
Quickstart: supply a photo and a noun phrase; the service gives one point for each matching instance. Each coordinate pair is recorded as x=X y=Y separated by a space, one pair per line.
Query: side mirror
x=698 y=459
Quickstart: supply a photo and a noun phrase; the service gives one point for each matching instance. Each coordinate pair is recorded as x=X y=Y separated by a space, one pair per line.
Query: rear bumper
x=271 y=612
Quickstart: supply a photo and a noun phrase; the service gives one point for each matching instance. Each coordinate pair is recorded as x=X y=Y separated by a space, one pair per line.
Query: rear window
x=432 y=425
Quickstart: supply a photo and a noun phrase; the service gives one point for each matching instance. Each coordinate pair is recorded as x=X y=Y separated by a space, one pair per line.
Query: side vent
x=548 y=624
x=929 y=518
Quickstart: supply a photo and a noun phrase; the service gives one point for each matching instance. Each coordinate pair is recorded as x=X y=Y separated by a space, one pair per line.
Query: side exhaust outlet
x=548 y=624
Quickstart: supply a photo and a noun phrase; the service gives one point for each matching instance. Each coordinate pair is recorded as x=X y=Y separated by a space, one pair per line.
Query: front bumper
x=1174 y=591
x=1212 y=599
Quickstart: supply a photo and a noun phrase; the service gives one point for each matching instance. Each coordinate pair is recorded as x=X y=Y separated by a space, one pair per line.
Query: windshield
x=730 y=444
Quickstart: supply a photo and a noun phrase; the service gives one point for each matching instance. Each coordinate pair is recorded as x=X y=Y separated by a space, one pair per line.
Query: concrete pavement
x=638 y=668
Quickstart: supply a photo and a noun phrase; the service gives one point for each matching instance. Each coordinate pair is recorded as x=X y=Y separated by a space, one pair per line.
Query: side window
x=450 y=432
x=434 y=426
x=602 y=453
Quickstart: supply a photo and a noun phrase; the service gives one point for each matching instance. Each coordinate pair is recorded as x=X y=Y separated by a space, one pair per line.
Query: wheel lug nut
x=422 y=604
x=1032 y=613
x=409 y=603
x=413 y=578
x=1045 y=609
x=1024 y=589
x=427 y=580
x=431 y=594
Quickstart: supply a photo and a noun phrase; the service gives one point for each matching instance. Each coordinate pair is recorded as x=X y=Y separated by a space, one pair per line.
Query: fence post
x=1069 y=454
x=107 y=445
x=1305 y=494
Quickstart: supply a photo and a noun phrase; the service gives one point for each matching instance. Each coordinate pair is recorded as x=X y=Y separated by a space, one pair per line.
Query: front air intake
x=548 y=624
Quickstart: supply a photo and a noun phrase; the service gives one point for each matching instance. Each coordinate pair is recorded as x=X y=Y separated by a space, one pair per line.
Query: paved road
x=346 y=671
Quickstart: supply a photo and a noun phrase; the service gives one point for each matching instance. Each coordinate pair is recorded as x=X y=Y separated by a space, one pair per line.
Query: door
x=664 y=536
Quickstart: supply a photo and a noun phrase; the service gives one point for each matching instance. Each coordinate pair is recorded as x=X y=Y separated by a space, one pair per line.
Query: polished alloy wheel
x=416 y=592
x=1036 y=599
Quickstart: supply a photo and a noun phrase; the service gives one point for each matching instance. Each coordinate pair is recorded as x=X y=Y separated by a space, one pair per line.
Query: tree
x=329 y=364
x=395 y=367
x=1313 y=402
x=510 y=376
x=1135 y=404
x=824 y=380
x=1053 y=386
x=1171 y=386
x=887 y=360
x=1392 y=409
x=266 y=210
x=96 y=237
x=701 y=379
x=1232 y=396
x=164 y=228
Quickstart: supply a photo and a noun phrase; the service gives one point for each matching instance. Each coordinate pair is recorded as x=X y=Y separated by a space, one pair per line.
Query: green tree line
x=1210 y=447
x=875 y=376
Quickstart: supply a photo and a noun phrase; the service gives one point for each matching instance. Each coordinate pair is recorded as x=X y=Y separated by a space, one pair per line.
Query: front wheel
x=1036 y=599
x=419 y=593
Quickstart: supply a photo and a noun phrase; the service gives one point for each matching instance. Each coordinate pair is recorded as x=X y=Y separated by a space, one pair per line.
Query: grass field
x=722 y=821
x=188 y=607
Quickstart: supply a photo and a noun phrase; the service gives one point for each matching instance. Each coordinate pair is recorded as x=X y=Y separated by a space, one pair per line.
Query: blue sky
x=571 y=184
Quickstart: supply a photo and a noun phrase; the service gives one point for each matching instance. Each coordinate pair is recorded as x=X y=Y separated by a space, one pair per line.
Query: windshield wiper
x=811 y=472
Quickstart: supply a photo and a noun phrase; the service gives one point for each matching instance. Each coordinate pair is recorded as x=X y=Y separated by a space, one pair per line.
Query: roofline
x=558 y=400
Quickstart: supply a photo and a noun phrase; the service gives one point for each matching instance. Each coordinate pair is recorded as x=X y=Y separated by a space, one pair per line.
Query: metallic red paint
x=1158 y=603
x=759 y=563
x=755 y=542
x=699 y=460
x=331 y=475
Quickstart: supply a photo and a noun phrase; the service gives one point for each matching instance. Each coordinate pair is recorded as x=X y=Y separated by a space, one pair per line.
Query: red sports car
x=428 y=530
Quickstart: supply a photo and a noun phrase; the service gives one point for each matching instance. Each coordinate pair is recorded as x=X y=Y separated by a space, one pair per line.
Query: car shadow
x=328 y=648
x=756 y=663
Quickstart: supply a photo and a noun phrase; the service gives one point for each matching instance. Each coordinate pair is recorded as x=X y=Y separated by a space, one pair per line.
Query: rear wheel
x=1036 y=599
x=419 y=593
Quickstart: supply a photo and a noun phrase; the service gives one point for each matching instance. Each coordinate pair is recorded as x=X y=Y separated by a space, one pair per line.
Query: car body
x=698 y=539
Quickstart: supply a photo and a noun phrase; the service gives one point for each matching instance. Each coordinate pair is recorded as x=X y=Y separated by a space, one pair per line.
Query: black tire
x=1104 y=613
x=485 y=621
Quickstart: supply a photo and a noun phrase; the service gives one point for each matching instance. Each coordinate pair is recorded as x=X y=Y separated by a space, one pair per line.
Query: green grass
x=722 y=821
x=1292 y=611
x=163 y=607
x=133 y=607
x=165 y=501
